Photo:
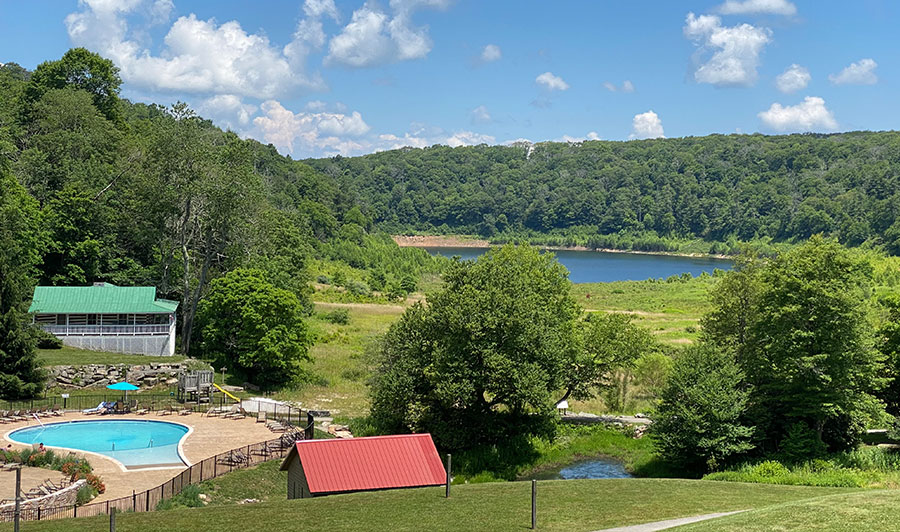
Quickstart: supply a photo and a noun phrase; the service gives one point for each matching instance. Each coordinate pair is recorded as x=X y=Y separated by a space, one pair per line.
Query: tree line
x=641 y=194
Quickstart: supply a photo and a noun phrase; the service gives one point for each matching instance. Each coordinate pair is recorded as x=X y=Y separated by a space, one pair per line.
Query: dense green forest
x=717 y=188
x=103 y=189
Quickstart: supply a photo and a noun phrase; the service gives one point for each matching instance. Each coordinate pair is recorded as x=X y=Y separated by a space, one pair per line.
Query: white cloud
x=228 y=111
x=627 y=86
x=310 y=133
x=861 y=73
x=491 y=53
x=735 y=50
x=372 y=37
x=591 y=135
x=468 y=138
x=810 y=115
x=646 y=126
x=317 y=8
x=481 y=115
x=551 y=82
x=199 y=56
x=743 y=7
x=794 y=78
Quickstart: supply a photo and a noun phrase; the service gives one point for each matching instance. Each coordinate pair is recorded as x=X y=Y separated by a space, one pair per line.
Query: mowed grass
x=71 y=356
x=872 y=510
x=563 y=505
x=671 y=310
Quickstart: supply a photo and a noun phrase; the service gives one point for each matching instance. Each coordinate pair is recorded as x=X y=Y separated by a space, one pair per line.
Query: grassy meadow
x=496 y=507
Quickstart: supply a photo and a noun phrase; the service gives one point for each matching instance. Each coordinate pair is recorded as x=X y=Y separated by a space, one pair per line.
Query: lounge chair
x=99 y=409
x=236 y=413
x=142 y=411
x=185 y=411
x=55 y=411
x=214 y=412
x=165 y=411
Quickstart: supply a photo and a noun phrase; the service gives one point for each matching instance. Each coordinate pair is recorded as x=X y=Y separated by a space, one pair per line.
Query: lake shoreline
x=462 y=241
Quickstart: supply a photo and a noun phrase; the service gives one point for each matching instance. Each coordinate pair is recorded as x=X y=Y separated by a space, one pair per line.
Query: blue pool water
x=134 y=443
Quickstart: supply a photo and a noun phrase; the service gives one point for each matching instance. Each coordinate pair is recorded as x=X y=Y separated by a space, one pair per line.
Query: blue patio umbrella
x=123 y=386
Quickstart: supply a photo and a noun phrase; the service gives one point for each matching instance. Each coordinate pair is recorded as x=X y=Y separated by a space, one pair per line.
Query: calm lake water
x=605 y=267
x=593 y=468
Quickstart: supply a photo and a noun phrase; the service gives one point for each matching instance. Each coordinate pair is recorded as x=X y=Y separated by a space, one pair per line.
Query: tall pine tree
x=21 y=242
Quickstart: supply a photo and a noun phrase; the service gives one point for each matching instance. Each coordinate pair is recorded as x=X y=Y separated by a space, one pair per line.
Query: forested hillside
x=134 y=194
x=718 y=188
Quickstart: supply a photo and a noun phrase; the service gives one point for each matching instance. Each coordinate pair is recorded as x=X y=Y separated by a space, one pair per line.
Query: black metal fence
x=146 y=501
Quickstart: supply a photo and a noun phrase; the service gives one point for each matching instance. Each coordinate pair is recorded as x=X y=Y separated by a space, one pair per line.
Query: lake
x=605 y=267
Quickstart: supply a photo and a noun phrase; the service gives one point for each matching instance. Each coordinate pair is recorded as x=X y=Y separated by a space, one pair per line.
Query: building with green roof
x=106 y=317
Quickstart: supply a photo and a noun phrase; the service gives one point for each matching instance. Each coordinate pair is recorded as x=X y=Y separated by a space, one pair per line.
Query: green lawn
x=872 y=510
x=495 y=507
x=75 y=357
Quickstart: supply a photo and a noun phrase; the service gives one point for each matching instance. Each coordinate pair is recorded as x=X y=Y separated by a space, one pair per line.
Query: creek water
x=591 y=468
x=605 y=267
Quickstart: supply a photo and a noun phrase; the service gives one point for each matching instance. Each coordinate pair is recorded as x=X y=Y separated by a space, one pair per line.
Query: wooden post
x=533 y=504
x=18 y=493
x=112 y=520
x=133 y=501
x=447 y=493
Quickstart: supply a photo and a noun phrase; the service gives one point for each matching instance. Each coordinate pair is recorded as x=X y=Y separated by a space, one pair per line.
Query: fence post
x=147 y=500
x=447 y=494
x=133 y=501
x=18 y=497
x=533 y=504
x=112 y=520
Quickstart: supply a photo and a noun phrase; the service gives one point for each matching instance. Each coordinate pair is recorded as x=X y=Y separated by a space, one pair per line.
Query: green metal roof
x=102 y=298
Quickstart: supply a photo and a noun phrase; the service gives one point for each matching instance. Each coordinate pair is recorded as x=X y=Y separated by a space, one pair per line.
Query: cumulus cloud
x=627 y=86
x=809 y=115
x=794 y=78
x=646 y=126
x=551 y=82
x=199 y=56
x=481 y=115
x=373 y=37
x=734 y=50
x=491 y=53
x=591 y=135
x=228 y=111
x=771 y=7
x=860 y=73
x=310 y=133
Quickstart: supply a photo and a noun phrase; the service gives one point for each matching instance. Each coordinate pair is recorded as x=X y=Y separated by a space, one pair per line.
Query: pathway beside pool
x=211 y=436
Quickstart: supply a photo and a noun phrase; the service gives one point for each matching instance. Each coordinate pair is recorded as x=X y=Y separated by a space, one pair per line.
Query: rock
x=203 y=497
x=248 y=501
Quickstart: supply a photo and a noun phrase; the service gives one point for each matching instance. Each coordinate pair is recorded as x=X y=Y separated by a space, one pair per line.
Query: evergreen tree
x=21 y=243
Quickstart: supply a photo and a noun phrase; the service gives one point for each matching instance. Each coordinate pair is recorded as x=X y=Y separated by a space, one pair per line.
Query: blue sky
x=321 y=77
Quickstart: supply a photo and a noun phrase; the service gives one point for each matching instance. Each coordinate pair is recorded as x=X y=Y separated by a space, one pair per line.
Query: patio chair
x=185 y=411
x=235 y=414
x=4 y=417
x=142 y=411
x=165 y=411
x=55 y=411
x=214 y=412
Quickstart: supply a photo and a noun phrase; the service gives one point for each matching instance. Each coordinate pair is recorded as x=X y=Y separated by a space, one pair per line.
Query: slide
x=237 y=399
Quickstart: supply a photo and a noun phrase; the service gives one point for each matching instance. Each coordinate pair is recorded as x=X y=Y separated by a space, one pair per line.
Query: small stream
x=590 y=468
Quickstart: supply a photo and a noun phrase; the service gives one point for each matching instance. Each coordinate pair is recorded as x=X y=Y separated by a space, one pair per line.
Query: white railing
x=106 y=330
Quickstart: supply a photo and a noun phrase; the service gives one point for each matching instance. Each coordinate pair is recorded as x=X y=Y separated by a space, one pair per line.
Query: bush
x=188 y=498
x=357 y=288
x=84 y=495
x=338 y=316
x=323 y=279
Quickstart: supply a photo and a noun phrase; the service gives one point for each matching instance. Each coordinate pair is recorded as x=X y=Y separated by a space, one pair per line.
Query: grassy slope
x=496 y=507
x=873 y=510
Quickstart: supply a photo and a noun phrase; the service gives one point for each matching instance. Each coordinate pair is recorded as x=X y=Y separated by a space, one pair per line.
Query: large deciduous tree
x=254 y=328
x=699 y=423
x=487 y=352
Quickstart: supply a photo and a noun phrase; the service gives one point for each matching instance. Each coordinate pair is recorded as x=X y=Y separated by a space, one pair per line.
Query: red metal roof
x=379 y=462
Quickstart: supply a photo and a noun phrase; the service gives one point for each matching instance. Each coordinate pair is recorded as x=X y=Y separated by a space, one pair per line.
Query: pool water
x=134 y=443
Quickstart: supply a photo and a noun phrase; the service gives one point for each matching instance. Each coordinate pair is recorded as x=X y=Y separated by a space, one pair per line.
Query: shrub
x=188 y=498
x=323 y=279
x=357 y=288
x=84 y=495
x=339 y=316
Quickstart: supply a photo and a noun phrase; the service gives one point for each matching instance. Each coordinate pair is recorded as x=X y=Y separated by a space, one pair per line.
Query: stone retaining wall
x=98 y=375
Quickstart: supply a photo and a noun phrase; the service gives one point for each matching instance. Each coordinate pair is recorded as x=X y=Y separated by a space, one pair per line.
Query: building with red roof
x=324 y=467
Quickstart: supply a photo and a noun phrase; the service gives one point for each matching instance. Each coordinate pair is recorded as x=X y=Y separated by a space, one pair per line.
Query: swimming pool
x=134 y=443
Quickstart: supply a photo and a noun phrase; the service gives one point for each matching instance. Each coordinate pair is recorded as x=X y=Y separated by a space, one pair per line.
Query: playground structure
x=196 y=387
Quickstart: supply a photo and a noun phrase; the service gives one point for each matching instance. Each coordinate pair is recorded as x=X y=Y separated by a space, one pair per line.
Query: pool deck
x=210 y=436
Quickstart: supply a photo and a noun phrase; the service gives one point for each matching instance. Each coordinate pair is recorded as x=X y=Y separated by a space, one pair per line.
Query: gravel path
x=670 y=523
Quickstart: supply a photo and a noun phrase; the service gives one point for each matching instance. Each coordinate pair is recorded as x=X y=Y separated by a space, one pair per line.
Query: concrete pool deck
x=210 y=436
